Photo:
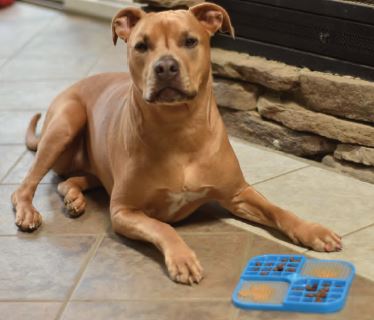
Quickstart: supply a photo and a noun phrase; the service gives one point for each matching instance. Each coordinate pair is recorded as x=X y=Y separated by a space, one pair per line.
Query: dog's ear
x=213 y=18
x=124 y=21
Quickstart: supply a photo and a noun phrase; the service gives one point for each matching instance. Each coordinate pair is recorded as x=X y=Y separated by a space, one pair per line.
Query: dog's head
x=169 y=52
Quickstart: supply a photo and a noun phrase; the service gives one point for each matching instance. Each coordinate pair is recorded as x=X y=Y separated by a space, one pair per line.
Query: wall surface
x=316 y=115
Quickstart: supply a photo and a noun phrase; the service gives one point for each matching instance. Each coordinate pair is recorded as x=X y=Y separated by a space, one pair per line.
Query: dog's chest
x=177 y=200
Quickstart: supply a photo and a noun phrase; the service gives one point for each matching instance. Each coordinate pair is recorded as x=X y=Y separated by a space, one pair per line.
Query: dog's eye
x=141 y=46
x=190 y=42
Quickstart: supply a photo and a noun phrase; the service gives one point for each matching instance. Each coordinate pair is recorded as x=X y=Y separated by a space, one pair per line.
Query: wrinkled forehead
x=166 y=24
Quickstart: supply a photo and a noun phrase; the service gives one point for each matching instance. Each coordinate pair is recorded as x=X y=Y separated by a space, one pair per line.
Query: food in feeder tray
x=294 y=283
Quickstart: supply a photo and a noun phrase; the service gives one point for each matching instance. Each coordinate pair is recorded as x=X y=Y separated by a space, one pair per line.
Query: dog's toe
x=184 y=267
x=318 y=237
x=75 y=203
x=28 y=219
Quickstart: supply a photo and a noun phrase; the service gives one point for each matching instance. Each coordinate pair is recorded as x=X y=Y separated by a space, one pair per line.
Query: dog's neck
x=183 y=127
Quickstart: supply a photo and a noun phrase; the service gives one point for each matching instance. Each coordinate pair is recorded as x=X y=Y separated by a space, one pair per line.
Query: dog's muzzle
x=166 y=85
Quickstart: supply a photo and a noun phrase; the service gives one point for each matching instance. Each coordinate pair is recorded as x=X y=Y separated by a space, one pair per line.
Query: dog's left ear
x=124 y=21
x=213 y=18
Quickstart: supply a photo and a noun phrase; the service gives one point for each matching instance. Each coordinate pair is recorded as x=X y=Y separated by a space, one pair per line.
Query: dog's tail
x=31 y=139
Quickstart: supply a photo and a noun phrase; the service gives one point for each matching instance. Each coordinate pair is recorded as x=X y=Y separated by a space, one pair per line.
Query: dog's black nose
x=166 y=68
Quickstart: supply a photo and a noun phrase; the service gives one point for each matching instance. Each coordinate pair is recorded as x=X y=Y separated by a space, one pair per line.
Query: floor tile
x=339 y=202
x=204 y=220
x=95 y=220
x=15 y=35
x=40 y=268
x=20 y=170
x=358 y=306
x=149 y=310
x=113 y=60
x=9 y=156
x=261 y=245
x=30 y=95
x=359 y=249
x=2 y=61
x=23 y=12
x=52 y=68
x=67 y=45
x=259 y=164
x=13 y=125
x=71 y=22
x=29 y=310
x=137 y=270
x=273 y=235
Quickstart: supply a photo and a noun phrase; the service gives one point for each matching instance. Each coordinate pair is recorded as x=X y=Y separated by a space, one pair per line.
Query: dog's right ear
x=124 y=21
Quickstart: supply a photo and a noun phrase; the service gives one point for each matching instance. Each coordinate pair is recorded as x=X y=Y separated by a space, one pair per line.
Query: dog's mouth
x=170 y=95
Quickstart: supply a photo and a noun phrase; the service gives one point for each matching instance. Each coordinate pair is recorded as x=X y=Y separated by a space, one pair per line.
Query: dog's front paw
x=183 y=266
x=28 y=218
x=317 y=237
x=75 y=203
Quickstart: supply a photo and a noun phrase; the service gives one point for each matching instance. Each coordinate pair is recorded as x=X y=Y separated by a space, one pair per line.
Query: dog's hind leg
x=71 y=189
x=64 y=122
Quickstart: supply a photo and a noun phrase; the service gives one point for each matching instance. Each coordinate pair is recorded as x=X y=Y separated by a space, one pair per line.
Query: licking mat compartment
x=294 y=283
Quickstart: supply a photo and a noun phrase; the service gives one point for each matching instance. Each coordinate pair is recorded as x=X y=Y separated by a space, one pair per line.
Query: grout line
x=358 y=230
x=280 y=175
x=183 y=299
x=13 y=166
x=79 y=276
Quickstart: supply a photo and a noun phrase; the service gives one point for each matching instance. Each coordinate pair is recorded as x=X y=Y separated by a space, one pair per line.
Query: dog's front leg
x=181 y=262
x=251 y=205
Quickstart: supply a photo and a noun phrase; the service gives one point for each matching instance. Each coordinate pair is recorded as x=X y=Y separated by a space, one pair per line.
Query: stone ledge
x=298 y=118
x=235 y=95
x=251 y=127
x=337 y=95
x=353 y=153
x=358 y=171
x=271 y=74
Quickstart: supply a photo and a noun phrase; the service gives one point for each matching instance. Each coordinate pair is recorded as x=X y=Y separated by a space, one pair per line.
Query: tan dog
x=155 y=140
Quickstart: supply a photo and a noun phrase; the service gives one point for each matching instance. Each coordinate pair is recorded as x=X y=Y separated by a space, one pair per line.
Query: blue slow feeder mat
x=294 y=283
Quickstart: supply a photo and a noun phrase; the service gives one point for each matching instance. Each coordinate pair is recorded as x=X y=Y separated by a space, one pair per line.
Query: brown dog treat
x=291 y=270
x=321 y=294
x=318 y=299
x=279 y=267
x=258 y=264
x=311 y=288
x=310 y=295
x=264 y=273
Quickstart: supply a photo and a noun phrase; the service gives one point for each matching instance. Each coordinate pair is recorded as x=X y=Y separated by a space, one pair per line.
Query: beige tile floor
x=78 y=269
